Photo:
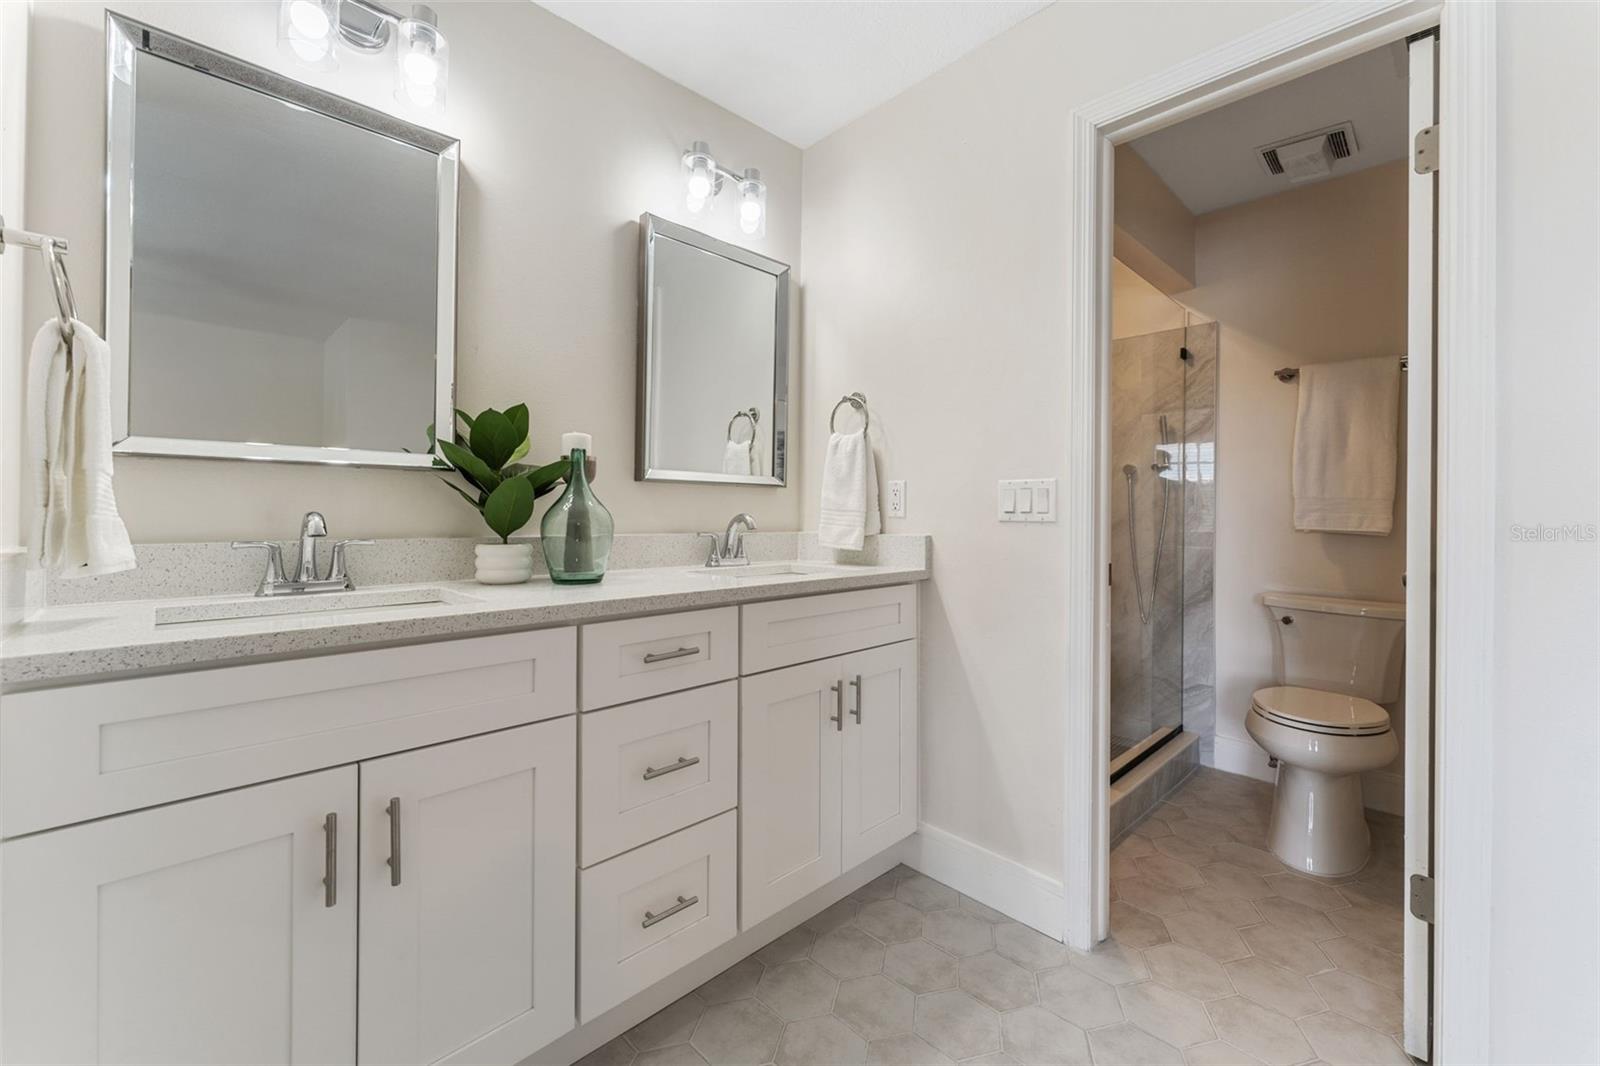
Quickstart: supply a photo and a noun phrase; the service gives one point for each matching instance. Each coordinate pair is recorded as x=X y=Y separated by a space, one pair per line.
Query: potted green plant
x=500 y=487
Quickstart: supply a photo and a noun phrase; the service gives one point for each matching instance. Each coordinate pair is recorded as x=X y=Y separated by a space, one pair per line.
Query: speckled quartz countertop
x=98 y=641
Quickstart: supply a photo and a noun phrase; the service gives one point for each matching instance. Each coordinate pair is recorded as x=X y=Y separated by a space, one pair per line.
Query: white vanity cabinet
x=828 y=749
x=199 y=932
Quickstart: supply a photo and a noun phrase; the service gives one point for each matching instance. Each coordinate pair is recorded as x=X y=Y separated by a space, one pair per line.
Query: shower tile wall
x=1162 y=673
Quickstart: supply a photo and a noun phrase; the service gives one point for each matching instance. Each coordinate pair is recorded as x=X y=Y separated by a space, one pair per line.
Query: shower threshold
x=1125 y=758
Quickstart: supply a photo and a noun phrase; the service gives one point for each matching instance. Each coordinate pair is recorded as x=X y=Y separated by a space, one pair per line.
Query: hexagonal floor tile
x=957 y=932
x=1035 y=1035
x=1166 y=1014
x=1338 y=1039
x=1235 y=911
x=841 y=913
x=1028 y=947
x=797 y=990
x=1128 y=1045
x=1112 y=962
x=1137 y=928
x=795 y=944
x=1362 y=959
x=1297 y=918
x=617 y=1052
x=738 y=1033
x=671 y=1024
x=848 y=952
x=736 y=982
x=957 y=1024
x=676 y=1055
x=906 y=1050
x=1379 y=926
x=1313 y=894
x=1079 y=997
x=981 y=910
x=821 y=1040
x=1276 y=944
x=1274 y=987
x=920 y=966
x=1217 y=1053
x=1255 y=1030
x=1174 y=872
x=1151 y=895
x=1189 y=971
x=1359 y=999
x=890 y=920
x=1255 y=860
x=925 y=894
x=997 y=981
x=880 y=887
x=1207 y=933
x=1185 y=850
x=875 y=1006
x=1236 y=881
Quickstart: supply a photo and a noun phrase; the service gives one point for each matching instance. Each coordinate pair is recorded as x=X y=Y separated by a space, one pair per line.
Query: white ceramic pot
x=504 y=564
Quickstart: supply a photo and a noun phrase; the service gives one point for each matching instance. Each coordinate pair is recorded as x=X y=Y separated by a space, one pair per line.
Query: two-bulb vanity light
x=704 y=179
x=311 y=31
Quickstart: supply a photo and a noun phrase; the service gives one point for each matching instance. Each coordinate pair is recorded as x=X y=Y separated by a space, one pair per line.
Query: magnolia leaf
x=494 y=439
x=476 y=504
x=466 y=418
x=547 y=478
x=518 y=417
x=509 y=507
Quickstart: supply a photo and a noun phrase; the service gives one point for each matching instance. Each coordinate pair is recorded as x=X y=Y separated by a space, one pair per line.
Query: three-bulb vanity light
x=704 y=180
x=310 y=31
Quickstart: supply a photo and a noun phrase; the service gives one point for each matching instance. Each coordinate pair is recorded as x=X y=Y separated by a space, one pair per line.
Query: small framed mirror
x=713 y=359
x=280 y=264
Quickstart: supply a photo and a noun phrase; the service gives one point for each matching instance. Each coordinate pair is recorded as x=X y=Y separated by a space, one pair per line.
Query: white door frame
x=1316 y=37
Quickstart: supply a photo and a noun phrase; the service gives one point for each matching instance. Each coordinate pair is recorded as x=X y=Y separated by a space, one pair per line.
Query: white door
x=208 y=931
x=790 y=736
x=468 y=859
x=880 y=749
x=1420 y=709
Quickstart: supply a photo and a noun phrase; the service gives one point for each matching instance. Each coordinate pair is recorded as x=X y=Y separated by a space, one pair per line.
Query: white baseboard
x=1242 y=757
x=1011 y=888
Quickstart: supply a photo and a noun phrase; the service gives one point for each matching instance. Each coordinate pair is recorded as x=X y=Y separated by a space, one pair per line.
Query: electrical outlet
x=897 y=499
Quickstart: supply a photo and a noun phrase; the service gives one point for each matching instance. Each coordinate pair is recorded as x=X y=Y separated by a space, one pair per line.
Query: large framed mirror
x=713 y=359
x=280 y=263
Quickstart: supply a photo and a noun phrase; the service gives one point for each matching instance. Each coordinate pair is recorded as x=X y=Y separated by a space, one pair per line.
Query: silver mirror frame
x=125 y=38
x=645 y=468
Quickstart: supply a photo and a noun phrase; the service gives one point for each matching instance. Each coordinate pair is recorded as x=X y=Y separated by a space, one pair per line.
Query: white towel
x=1346 y=446
x=736 y=457
x=78 y=532
x=849 y=492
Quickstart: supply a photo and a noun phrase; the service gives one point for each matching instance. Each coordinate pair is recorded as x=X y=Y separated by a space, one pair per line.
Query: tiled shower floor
x=1219 y=954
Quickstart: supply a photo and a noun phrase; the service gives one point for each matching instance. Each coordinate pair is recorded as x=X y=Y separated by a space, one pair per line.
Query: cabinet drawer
x=656 y=909
x=654 y=767
x=76 y=753
x=641 y=657
x=785 y=632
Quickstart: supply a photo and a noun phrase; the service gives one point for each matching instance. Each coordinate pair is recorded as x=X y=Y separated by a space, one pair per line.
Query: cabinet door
x=468 y=853
x=880 y=749
x=789 y=751
x=201 y=932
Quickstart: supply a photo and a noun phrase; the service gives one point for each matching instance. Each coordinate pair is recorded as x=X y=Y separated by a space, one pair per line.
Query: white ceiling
x=797 y=68
x=1210 y=161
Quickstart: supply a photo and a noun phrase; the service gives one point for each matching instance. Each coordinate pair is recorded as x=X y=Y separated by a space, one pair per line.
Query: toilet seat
x=1318 y=711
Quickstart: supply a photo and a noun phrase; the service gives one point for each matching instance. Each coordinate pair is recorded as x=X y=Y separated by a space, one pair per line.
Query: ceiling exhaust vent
x=1309 y=156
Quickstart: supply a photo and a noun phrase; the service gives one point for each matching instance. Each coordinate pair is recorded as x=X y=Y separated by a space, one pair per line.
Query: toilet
x=1335 y=660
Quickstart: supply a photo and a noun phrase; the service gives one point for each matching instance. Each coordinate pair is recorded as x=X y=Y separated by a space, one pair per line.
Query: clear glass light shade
x=753 y=204
x=700 y=177
x=422 y=64
x=307 y=32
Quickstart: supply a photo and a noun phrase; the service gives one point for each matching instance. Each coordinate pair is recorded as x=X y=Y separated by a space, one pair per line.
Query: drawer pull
x=653 y=772
x=664 y=656
x=856 y=684
x=837 y=717
x=652 y=919
x=394 y=840
x=330 y=860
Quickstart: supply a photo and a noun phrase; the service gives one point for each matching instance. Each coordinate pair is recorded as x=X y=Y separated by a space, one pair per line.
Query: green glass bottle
x=576 y=531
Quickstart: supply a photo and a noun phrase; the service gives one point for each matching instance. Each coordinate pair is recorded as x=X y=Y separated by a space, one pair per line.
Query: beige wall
x=565 y=142
x=1311 y=275
x=1138 y=307
x=936 y=279
x=1154 y=232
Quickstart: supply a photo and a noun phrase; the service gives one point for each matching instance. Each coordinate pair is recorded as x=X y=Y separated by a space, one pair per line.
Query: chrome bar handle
x=856 y=684
x=330 y=860
x=837 y=718
x=683 y=763
x=664 y=656
x=394 y=840
x=683 y=902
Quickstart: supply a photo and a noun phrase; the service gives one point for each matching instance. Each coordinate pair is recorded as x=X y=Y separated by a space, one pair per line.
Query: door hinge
x=1422 y=897
x=1425 y=150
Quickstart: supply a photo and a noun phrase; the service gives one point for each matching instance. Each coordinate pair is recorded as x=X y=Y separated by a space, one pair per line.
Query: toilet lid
x=1329 y=712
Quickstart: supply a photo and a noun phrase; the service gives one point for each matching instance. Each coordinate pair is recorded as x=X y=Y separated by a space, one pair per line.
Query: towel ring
x=752 y=414
x=856 y=400
x=66 y=306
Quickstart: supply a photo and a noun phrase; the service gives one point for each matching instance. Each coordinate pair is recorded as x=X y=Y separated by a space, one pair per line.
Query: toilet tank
x=1338 y=644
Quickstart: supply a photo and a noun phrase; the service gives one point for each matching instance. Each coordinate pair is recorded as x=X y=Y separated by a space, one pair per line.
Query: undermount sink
x=312 y=603
x=765 y=571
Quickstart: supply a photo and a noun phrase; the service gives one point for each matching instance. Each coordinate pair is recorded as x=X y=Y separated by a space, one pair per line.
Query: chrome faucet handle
x=274 y=571
x=715 y=556
x=336 y=569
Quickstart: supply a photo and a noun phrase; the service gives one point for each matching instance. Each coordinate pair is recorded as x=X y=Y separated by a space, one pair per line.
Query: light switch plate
x=897 y=499
x=1028 y=500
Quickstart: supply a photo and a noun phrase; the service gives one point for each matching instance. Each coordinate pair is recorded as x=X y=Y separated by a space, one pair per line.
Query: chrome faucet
x=312 y=528
x=728 y=549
